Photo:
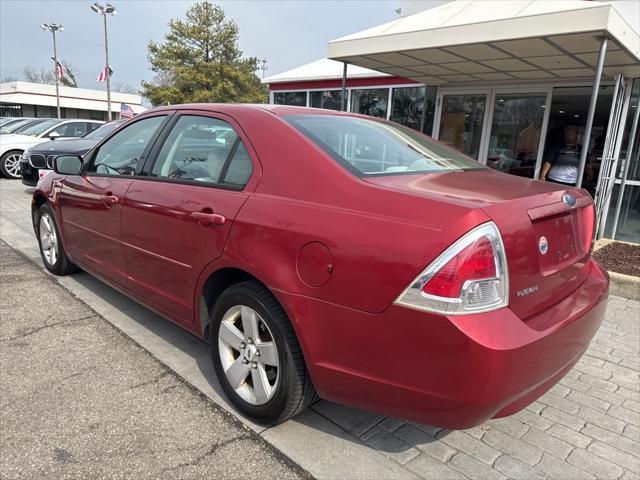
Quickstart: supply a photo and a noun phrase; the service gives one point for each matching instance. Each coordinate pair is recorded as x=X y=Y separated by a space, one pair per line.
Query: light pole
x=53 y=28
x=105 y=10
x=263 y=66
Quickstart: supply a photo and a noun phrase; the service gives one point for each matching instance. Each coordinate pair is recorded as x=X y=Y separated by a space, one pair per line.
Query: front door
x=91 y=203
x=177 y=219
x=611 y=152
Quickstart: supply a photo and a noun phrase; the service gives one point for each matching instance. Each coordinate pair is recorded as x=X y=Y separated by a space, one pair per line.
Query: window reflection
x=406 y=106
x=296 y=99
x=330 y=99
x=515 y=133
x=461 y=122
x=372 y=101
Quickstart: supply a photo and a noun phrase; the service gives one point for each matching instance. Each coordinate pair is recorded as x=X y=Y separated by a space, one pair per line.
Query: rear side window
x=240 y=168
x=203 y=149
x=72 y=129
x=370 y=147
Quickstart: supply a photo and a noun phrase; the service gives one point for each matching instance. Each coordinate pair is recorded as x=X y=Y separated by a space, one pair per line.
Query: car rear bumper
x=453 y=372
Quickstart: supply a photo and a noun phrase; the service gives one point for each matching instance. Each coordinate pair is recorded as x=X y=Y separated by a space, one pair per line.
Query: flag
x=59 y=71
x=126 y=111
x=102 y=76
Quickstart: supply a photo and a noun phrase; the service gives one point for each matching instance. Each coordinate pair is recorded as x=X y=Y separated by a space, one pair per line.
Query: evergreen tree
x=199 y=61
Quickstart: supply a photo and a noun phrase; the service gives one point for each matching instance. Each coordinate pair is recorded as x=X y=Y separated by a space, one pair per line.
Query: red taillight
x=474 y=262
x=589 y=223
x=468 y=277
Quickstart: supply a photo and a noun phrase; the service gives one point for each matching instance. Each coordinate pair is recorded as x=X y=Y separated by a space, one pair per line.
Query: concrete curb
x=624 y=286
x=621 y=285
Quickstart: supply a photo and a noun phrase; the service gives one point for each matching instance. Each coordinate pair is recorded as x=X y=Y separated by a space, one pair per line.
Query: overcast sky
x=286 y=33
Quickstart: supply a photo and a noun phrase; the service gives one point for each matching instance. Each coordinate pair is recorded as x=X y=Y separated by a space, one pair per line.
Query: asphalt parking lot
x=587 y=426
x=81 y=400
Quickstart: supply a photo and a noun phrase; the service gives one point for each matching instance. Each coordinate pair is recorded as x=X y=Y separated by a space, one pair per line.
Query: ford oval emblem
x=569 y=200
x=543 y=245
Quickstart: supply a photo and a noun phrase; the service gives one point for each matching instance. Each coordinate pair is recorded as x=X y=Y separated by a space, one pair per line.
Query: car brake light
x=589 y=222
x=469 y=277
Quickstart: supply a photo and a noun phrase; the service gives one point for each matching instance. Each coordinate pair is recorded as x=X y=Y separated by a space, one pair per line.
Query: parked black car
x=35 y=159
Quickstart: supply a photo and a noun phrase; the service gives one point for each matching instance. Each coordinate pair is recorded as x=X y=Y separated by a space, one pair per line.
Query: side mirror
x=54 y=135
x=67 y=164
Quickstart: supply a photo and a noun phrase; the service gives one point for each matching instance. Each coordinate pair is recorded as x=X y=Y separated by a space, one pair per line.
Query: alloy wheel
x=249 y=355
x=12 y=165
x=48 y=239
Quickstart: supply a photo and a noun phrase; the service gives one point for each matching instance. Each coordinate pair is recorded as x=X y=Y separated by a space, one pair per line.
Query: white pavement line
x=319 y=446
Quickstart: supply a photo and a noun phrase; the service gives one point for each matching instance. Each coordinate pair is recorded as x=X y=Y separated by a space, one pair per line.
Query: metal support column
x=592 y=110
x=106 y=57
x=55 y=72
x=344 y=87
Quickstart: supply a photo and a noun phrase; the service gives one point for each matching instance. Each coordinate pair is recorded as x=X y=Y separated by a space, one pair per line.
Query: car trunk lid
x=525 y=211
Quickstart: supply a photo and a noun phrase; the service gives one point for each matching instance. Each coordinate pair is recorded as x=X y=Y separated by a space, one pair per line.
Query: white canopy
x=322 y=69
x=494 y=40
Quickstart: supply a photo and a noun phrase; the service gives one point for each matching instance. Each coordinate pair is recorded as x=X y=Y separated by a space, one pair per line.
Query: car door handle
x=207 y=219
x=109 y=200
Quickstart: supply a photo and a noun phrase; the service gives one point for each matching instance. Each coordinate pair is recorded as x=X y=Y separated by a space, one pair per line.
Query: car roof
x=75 y=120
x=240 y=107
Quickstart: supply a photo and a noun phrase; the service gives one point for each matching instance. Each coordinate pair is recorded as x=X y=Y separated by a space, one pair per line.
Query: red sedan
x=334 y=253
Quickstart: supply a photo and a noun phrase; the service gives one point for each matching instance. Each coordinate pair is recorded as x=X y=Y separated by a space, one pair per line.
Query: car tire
x=10 y=164
x=52 y=251
x=292 y=390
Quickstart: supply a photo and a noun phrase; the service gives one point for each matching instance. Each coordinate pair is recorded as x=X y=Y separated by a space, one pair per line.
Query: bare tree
x=9 y=79
x=46 y=76
x=123 y=87
x=39 y=75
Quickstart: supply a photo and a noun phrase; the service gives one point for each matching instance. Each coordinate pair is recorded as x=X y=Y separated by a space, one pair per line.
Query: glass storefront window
x=515 y=133
x=461 y=122
x=628 y=227
x=296 y=99
x=330 y=99
x=371 y=101
x=406 y=106
x=567 y=118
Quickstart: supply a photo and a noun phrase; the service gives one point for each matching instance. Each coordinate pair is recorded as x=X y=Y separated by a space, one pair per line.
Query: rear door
x=176 y=219
x=91 y=203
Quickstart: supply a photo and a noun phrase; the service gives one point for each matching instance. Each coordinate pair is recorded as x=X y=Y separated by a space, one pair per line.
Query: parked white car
x=12 y=145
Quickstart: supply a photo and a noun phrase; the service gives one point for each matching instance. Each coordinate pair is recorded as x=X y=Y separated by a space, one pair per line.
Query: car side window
x=197 y=149
x=121 y=153
x=74 y=129
x=240 y=167
x=91 y=126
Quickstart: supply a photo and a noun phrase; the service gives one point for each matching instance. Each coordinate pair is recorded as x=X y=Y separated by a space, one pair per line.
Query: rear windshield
x=371 y=147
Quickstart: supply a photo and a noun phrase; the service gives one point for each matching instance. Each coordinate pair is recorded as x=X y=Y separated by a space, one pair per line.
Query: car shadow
x=189 y=357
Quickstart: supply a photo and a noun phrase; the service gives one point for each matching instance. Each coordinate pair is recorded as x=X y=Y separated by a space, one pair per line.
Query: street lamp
x=53 y=28
x=105 y=10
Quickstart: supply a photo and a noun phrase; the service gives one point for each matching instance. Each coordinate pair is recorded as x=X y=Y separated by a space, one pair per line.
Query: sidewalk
x=588 y=426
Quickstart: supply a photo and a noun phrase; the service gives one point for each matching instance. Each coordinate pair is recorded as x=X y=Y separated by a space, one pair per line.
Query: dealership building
x=500 y=81
x=26 y=99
